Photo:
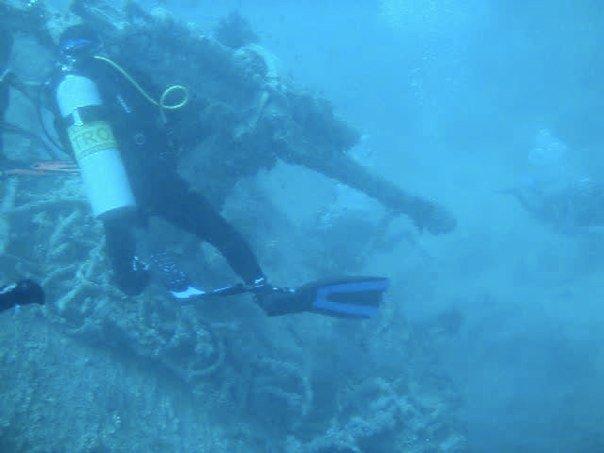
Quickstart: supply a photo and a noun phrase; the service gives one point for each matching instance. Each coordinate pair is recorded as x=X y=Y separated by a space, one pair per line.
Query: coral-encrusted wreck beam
x=246 y=115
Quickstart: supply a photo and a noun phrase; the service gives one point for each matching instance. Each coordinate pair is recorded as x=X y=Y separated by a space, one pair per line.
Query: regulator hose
x=162 y=103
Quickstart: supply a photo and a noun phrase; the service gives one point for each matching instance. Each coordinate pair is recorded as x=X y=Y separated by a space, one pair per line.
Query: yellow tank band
x=91 y=138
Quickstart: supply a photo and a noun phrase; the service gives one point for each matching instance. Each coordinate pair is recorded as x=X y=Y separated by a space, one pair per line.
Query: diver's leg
x=190 y=211
x=129 y=273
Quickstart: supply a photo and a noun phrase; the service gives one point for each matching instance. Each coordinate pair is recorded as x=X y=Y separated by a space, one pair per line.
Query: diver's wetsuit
x=148 y=153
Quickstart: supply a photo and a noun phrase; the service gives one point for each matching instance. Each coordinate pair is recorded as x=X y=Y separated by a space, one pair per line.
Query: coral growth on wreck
x=96 y=371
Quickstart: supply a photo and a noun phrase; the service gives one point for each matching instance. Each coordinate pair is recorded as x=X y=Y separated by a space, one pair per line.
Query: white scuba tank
x=95 y=148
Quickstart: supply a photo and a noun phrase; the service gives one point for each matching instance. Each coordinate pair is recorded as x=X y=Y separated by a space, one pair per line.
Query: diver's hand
x=28 y=292
x=24 y=292
x=427 y=215
x=5 y=76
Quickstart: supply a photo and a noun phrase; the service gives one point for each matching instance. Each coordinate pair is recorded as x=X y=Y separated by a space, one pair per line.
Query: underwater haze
x=454 y=97
x=490 y=337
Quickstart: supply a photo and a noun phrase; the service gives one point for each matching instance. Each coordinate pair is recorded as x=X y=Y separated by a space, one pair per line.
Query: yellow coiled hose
x=163 y=100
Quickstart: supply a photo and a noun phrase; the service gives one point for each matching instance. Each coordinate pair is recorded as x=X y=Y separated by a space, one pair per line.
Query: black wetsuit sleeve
x=61 y=130
x=21 y=293
x=49 y=98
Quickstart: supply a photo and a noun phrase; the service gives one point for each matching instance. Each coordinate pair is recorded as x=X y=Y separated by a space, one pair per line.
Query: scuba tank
x=94 y=146
x=91 y=136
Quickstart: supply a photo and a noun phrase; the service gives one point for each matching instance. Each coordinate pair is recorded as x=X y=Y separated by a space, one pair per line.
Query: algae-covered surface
x=96 y=371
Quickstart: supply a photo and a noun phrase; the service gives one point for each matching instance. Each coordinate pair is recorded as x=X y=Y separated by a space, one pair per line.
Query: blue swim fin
x=347 y=297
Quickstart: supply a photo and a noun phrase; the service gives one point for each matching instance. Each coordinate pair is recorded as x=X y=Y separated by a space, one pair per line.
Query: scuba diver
x=124 y=142
x=24 y=292
x=569 y=209
x=557 y=191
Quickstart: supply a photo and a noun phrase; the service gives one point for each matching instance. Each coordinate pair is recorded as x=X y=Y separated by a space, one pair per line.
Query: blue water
x=452 y=97
x=461 y=102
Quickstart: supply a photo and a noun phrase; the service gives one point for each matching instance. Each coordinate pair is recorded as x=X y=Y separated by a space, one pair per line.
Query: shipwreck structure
x=144 y=374
x=244 y=116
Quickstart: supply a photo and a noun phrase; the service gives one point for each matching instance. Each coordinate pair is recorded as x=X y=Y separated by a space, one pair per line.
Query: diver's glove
x=6 y=76
x=430 y=216
x=24 y=292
